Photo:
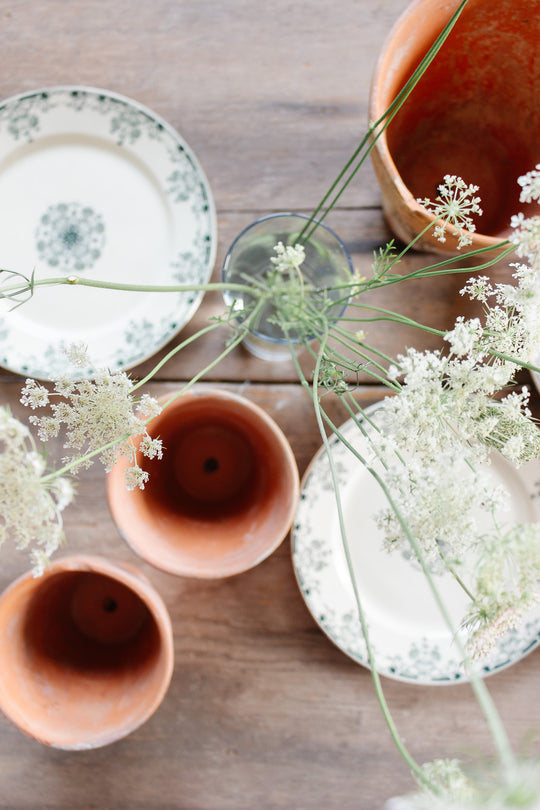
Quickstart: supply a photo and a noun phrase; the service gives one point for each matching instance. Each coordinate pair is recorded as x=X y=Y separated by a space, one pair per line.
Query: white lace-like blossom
x=454 y=206
x=526 y=231
x=507 y=585
x=288 y=258
x=31 y=501
x=98 y=416
x=530 y=185
x=438 y=434
x=496 y=789
x=464 y=336
x=77 y=355
x=526 y=236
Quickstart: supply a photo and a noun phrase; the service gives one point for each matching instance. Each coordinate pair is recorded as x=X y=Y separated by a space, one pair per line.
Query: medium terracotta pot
x=222 y=498
x=475 y=113
x=86 y=651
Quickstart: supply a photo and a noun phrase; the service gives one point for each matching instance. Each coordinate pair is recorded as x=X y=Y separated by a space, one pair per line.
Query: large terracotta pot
x=222 y=498
x=475 y=112
x=86 y=651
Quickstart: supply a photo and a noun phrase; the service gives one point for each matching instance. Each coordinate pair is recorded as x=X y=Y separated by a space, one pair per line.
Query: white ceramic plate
x=410 y=640
x=95 y=185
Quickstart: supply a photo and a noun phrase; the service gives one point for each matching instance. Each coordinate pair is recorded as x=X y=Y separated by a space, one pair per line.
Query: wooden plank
x=263 y=711
x=273 y=98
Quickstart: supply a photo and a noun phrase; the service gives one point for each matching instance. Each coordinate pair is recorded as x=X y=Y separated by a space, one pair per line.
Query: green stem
x=394 y=317
x=485 y=701
x=92 y=453
x=435 y=269
x=116 y=285
x=376 y=129
x=514 y=360
x=174 y=351
x=237 y=340
x=349 y=340
x=381 y=699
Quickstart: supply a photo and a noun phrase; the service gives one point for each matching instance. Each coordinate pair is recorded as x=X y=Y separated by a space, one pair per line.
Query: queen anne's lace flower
x=77 y=355
x=99 y=416
x=526 y=236
x=454 y=206
x=530 y=185
x=438 y=434
x=31 y=501
x=288 y=258
x=507 y=574
x=34 y=395
x=499 y=788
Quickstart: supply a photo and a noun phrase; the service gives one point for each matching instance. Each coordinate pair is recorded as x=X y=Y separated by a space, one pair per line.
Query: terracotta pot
x=475 y=113
x=86 y=650
x=222 y=498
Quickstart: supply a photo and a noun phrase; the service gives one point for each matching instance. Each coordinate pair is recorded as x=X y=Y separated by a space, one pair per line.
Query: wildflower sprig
x=454 y=207
x=98 y=414
x=31 y=502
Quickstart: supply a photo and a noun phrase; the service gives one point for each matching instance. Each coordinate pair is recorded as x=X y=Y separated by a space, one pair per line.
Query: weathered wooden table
x=263 y=711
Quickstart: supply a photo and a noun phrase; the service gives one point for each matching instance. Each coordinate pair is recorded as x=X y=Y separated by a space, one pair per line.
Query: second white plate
x=411 y=642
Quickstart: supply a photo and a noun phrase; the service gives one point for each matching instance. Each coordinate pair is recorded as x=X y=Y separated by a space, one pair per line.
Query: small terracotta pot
x=86 y=651
x=222 y=498
x=475 y=113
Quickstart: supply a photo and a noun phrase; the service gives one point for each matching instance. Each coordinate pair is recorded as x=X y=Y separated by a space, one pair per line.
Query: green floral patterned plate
x=95 y=185
x=410 y=640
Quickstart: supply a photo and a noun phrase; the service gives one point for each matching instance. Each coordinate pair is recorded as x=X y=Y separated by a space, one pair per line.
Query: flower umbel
x=288 y=258
x=454 y=205
x=530 y=185
x=496 y=789
x=100 y=416
x=31 y=501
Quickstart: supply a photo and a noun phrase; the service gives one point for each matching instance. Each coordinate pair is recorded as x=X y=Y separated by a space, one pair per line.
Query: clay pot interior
x=84 y=659
x=474 y=113
x=223 y=496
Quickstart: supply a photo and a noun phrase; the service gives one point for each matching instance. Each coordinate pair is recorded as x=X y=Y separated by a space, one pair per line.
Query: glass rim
x=254 y=332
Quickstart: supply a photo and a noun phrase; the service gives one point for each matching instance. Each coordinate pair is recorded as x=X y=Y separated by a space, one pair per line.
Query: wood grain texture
x=263 y=711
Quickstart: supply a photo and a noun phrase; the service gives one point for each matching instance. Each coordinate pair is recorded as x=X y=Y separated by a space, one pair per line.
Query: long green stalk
x=31 y=284
x=375 y=130
x=379 y=692
x=500 y=737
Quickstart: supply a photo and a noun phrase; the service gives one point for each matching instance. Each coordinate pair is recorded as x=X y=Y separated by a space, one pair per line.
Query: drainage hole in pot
x=211 y=464
x=109 y=604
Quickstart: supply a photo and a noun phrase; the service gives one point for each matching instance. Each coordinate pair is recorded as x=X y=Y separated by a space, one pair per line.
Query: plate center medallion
x=70 y=236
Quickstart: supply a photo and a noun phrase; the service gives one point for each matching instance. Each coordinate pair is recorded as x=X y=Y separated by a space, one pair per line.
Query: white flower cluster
x=454 y=206
x=98 y=415
x=530 y=185
x=507 y=585
x=31 y=501
x=437 y=436
x=497 y=789
x=526 y=230
x=288 y=258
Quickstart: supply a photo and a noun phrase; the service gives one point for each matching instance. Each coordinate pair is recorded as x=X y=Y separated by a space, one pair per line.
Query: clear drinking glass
x=327 y=264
